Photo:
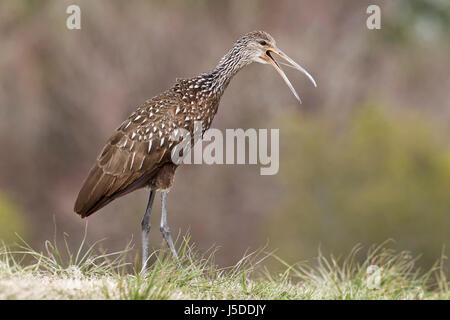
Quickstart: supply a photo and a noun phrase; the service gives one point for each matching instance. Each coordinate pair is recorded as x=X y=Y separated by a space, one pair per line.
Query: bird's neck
x=227 y=67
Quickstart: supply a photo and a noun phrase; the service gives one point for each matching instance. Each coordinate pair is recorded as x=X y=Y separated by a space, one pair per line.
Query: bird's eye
x=262 y=42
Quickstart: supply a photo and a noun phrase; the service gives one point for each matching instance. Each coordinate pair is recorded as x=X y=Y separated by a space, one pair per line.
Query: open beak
x=292 y=63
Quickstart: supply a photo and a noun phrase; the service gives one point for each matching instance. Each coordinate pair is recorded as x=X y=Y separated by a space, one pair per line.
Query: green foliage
x=11 y=220
x=417 y=20
x=374 y=178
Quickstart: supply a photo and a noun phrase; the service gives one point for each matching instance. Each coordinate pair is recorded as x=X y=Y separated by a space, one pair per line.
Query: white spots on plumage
x=150 y=146
x=166 y=115
x=132 y=160
x=128 y=124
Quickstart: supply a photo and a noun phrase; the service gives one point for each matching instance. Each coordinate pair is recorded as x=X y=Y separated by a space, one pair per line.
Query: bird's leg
x=145 y=224
x=164 y=227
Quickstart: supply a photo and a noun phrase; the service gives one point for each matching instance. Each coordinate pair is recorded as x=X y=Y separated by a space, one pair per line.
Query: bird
x=138 y=154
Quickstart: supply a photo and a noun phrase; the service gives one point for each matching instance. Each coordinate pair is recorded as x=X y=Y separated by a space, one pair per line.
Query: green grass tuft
x=88 y=274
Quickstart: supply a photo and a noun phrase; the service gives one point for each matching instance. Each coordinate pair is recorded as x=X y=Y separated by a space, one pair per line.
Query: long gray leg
x=145 y=224
x=164 y=227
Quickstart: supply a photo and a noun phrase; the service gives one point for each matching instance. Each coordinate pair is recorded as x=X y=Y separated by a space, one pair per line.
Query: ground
x=86 y=274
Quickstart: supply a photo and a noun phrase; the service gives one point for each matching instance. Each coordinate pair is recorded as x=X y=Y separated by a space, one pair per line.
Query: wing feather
x=131 y=157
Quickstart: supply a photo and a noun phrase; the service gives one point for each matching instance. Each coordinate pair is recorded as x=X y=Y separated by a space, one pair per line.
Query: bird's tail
x=92 y=196
x=100 y=188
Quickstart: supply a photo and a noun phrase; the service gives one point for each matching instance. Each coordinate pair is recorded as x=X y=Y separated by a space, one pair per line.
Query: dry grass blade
x=88 y=274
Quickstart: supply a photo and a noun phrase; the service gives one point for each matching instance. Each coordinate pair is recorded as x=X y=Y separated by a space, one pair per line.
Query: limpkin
x=139 y=153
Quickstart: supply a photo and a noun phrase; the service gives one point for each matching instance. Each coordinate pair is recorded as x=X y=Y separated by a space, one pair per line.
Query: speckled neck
x=227 y=67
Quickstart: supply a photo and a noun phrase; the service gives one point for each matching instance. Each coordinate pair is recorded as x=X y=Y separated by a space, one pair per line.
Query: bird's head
x=259 y=46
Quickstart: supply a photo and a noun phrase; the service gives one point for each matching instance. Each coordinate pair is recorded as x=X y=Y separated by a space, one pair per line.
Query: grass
x=88 y=274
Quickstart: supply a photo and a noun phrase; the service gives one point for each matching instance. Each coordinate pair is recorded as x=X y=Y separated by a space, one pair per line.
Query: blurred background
x=364 y=159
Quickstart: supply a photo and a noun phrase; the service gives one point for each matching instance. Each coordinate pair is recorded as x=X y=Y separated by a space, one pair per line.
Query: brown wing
x=130 y=158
